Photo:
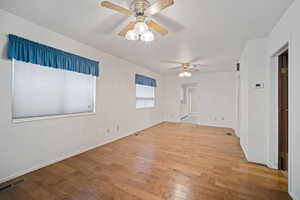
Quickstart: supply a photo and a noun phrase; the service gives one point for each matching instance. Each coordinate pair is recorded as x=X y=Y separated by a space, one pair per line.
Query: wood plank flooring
x=171 y=161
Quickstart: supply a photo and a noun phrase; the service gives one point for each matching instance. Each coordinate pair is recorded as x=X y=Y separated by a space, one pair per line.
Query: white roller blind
x=145 y=96
x=44 y=91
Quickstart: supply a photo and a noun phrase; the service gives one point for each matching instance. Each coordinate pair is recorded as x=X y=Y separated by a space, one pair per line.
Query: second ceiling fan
x=140 y=29
x=186 y=69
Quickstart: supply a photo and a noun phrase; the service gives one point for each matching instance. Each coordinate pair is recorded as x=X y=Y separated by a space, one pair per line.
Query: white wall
x=253 y=101
x=30 y=145
x=287 y=31
x=216 y=98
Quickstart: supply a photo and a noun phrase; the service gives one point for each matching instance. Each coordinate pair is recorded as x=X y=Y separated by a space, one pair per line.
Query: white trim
x=47 y=163
x=238 y=103
x=146 y=108
x=245 y=152
x=274 y=99
x=31 y=119
x=276 y=114
x=95 y=93
x=291 y=121
x=271 y=165
x=273 y=162
x=214 y=125
x=12 y=86
x=294 y=197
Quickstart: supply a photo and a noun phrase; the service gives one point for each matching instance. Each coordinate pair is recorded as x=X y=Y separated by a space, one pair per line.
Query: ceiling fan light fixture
x=141 y=10
x=185 y=74
x=140 y=28
x=188 y=74
x=132 y=35
x=147 y=37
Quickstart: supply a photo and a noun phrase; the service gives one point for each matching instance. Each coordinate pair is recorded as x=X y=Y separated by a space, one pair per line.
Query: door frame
x=280 y=93
x=273 y=137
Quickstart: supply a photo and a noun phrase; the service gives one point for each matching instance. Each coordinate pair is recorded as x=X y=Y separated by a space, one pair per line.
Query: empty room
x=149 y=100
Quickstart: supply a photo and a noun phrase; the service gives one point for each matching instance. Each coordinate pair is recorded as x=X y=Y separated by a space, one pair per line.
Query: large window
x=145 y=96
x=44 y=91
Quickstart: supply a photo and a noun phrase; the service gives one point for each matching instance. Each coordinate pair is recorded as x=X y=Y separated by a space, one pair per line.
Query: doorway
x=283 y=109
x=193 y=100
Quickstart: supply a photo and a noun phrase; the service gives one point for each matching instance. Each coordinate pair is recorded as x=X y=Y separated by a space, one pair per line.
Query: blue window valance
x=28 y=51
x=144 y=80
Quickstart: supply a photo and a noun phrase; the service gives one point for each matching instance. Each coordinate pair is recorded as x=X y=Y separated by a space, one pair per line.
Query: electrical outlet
x=223 y=118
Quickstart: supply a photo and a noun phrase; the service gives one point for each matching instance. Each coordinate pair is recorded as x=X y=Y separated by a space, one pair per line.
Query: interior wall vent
x=184 y=117
x=229 y=134
x=11 y=185
x=238 y=67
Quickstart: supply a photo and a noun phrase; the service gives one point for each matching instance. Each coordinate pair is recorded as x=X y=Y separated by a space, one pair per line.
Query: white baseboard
x=293 y=196
x=272 y=165
x=245 y=152
x=23 y=172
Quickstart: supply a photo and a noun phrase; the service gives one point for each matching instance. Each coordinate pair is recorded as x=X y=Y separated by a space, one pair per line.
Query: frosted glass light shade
x=147 y=37
x=188 y=74
x=185 y=74
x=140 y=28
x=131 y=35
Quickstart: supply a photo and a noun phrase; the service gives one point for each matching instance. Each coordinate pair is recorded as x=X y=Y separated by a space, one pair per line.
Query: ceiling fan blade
x=171 y=62
x=175 y=68
x=193 y=70
x=117 y=8
x=129 y=27
x=158 y=28
x=184 y=70
x=197 y=59
x=158 y=6
x=199 y=65
x=173 y=25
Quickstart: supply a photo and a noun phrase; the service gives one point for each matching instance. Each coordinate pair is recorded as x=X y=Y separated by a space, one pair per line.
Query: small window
x=40 y=91
x=145 y=96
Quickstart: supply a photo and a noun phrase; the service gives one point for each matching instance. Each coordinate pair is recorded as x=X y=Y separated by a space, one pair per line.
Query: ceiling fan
x=186 y=69
x=140 y=29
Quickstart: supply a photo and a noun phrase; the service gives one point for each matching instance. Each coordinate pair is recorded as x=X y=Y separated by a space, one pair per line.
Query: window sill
x=146 y=108
x=31 y=119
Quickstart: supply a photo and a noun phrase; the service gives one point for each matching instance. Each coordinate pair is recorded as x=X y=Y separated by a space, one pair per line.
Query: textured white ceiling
x=211 y=32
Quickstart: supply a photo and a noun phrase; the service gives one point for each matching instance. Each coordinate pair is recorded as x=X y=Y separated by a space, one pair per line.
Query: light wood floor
x=169 y=161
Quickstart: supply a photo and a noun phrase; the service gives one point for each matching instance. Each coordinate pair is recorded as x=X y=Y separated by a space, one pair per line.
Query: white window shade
x=43 y=91
x=145 y=96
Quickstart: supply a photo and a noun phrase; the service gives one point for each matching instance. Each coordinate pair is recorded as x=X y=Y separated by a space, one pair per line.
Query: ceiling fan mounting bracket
x=139 y=7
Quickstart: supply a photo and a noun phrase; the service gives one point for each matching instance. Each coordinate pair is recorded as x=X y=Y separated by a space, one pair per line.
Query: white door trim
x=273 y=135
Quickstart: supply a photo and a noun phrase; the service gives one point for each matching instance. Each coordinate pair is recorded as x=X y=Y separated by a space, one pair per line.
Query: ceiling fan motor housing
x=139 y=7
x=186 y=65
